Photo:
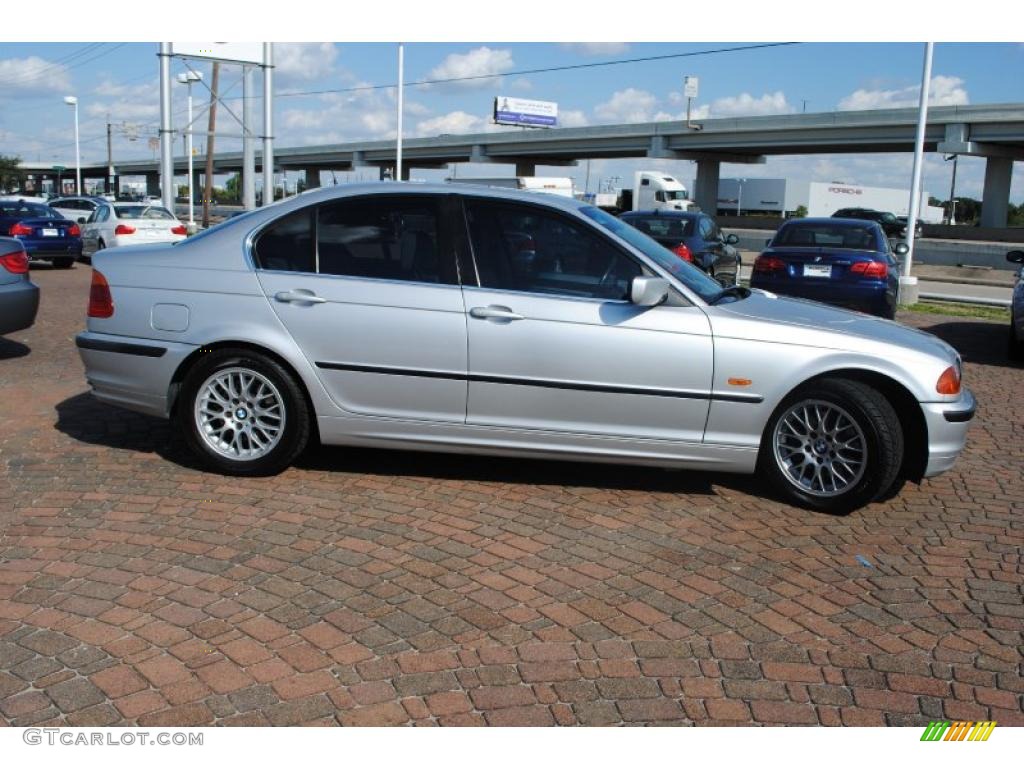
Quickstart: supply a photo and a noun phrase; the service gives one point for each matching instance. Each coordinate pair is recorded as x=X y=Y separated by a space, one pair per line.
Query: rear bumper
x=132 y=373
x=875 y=297
x=19 y=303
x=52 y=248
x=947 y=431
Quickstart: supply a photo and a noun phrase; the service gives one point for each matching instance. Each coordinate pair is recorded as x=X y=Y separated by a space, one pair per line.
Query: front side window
x=383 y=237
x=523 y=248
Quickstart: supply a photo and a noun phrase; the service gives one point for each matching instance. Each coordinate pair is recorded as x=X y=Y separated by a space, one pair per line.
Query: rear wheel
x=243 y=413
x=63 y=262
x=833 y=445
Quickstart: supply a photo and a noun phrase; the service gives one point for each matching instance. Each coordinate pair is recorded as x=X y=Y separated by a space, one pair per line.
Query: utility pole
x=908 y=291
x=109 y=186
x=166 y=133
x=401 y=88
x=951 y=214
x=268 y=123
x=210 y=128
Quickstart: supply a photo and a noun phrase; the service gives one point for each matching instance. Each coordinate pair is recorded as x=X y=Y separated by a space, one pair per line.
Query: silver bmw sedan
x=475 y=320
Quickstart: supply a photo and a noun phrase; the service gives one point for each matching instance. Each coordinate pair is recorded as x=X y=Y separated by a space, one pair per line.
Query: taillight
x=101 y=303
x=683 y=252
x=20 y=229
x=74 y=231
x=769 y=264
x=179 y=230
x=949 y=381
x=16 y=263
x=870 y=270
x=124 y=229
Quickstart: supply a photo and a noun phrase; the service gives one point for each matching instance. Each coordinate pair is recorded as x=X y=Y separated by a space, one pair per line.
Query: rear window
x=142 y=212
x=15 y=210
x=826 y=236
x=662 y=226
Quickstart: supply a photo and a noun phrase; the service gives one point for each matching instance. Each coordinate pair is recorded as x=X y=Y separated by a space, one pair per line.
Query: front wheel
x=834 y=445
x=243 y=413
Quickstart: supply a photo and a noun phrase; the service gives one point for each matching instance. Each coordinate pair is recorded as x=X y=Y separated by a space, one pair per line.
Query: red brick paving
x=386 y=588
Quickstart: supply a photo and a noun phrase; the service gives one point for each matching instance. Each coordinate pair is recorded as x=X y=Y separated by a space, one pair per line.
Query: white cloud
x=597 y=49
x=629 y=106
x=943 y=91
x=123 y=110
x=32 y=74
x=521 y=84
x=453 y=122
x=304 y=61
x=478 y=63
x=747 y=105
x=572 y=118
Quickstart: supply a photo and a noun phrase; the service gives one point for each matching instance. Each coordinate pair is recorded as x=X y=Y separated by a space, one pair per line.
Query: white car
x=78 y=208
x=115 y=224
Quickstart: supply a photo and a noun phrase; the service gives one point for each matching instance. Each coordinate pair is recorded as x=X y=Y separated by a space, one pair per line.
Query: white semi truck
x=652 y=191
x=552 y=185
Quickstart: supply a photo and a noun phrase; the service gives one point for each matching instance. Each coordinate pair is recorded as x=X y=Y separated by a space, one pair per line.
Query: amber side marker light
x=949 y=382
x=740 y=382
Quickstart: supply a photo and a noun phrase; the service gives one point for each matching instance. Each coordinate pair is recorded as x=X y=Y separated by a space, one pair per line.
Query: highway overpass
x=992 y=131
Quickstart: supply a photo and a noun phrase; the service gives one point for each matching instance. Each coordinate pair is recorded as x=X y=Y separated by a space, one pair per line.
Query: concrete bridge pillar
x=312 y=178
x=995 y=198
x=153 y=184
x=526 y=168
x=706 y=192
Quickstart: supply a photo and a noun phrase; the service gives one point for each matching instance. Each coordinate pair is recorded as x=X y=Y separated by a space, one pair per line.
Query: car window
x=103 y=213
x=287 y=244
x=387 y=237
x=825 y=235
x=706 y=228
x=18 y=209
x=662 y=226
x=142 y=212
x=531 y=249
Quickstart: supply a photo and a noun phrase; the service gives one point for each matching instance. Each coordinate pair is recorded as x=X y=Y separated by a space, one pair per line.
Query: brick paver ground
x=370 y=587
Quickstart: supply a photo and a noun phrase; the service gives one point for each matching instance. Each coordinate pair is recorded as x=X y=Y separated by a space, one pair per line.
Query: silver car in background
x=413 y=316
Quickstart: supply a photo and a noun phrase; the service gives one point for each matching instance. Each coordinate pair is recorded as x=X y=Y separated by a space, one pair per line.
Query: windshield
x=675 y=194
x=682 y=271
x=825 y=236
x=142 y=212
x=19 y=210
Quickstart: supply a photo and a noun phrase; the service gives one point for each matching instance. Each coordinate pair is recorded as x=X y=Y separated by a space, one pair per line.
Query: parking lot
x=383 y=588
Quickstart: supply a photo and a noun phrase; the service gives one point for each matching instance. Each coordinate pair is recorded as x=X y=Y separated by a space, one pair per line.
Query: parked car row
x=462 y=319
x=1016 y=336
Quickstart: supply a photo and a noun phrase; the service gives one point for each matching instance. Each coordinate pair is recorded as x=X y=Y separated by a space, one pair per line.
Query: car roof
x=665 y=214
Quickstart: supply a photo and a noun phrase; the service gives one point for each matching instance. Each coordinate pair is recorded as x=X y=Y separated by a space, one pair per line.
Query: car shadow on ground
x=84 y=418
x=984 y=343
x=10 y=350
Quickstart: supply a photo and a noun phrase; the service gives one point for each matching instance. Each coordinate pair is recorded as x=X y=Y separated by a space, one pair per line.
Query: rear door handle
x=494 y=313
x=299 y=296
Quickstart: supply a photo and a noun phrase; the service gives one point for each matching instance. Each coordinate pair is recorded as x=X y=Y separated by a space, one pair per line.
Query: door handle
x=299 y=296
x=494 y=313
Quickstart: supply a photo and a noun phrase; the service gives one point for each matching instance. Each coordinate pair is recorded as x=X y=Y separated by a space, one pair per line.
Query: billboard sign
x=525 y=112
x=244 y=53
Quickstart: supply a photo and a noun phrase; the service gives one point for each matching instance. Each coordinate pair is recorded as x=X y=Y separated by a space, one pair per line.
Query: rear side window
x=287 y=244
x=383 y=237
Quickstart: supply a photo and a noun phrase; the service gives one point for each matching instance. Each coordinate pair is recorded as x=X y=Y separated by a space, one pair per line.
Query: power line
x=66 y=68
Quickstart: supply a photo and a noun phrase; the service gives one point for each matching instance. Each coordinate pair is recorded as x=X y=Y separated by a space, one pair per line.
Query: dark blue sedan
x=845 y=262
x=693 y=237
x=44 y=233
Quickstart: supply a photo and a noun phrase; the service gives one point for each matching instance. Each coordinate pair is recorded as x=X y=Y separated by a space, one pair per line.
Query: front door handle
x=299 y=296
x=494 y=312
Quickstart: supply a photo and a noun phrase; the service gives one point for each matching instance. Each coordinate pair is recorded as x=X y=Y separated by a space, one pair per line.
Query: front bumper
x=947 y=431
x=19 y=303
x=129 y=372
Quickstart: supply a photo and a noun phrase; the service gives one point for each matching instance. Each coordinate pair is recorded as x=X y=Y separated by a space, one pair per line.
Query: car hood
x=766 y=317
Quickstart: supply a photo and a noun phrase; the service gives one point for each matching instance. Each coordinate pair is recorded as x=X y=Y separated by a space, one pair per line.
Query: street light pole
x=72 y=101
x=739 y=198
x=908 y=291
x=401 y=73
x=187 y=78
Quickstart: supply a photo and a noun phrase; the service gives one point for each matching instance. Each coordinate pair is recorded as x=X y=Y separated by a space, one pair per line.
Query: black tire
x=297 y=418
x=1015 y=346
x=64 y=262
x=883 y=439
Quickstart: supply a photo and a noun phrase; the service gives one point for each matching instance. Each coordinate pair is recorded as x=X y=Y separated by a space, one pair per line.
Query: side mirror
x=902 y=249
x=731 y=239
x=1015 y=257
x=81 y=219
x=648 y=291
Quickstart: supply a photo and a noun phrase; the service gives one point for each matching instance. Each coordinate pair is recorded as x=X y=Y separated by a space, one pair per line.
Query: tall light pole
x=908 y=291
x=72 y=101
x=739 y=197
x=401 y=73
x=186 y=79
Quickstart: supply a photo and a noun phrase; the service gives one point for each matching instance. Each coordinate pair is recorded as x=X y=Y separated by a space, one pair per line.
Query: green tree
x=233 y=189
x=10 y=173
x=800 y=212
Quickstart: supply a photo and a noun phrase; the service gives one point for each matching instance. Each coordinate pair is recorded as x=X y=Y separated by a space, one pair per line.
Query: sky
x=120 y=80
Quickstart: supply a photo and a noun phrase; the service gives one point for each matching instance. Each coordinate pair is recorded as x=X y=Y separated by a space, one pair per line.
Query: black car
x=892 y=225
x=19 y=297
x=693 y=237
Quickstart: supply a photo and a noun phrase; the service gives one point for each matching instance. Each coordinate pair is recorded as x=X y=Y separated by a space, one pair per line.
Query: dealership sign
x=525 y=112
x=244 y=53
